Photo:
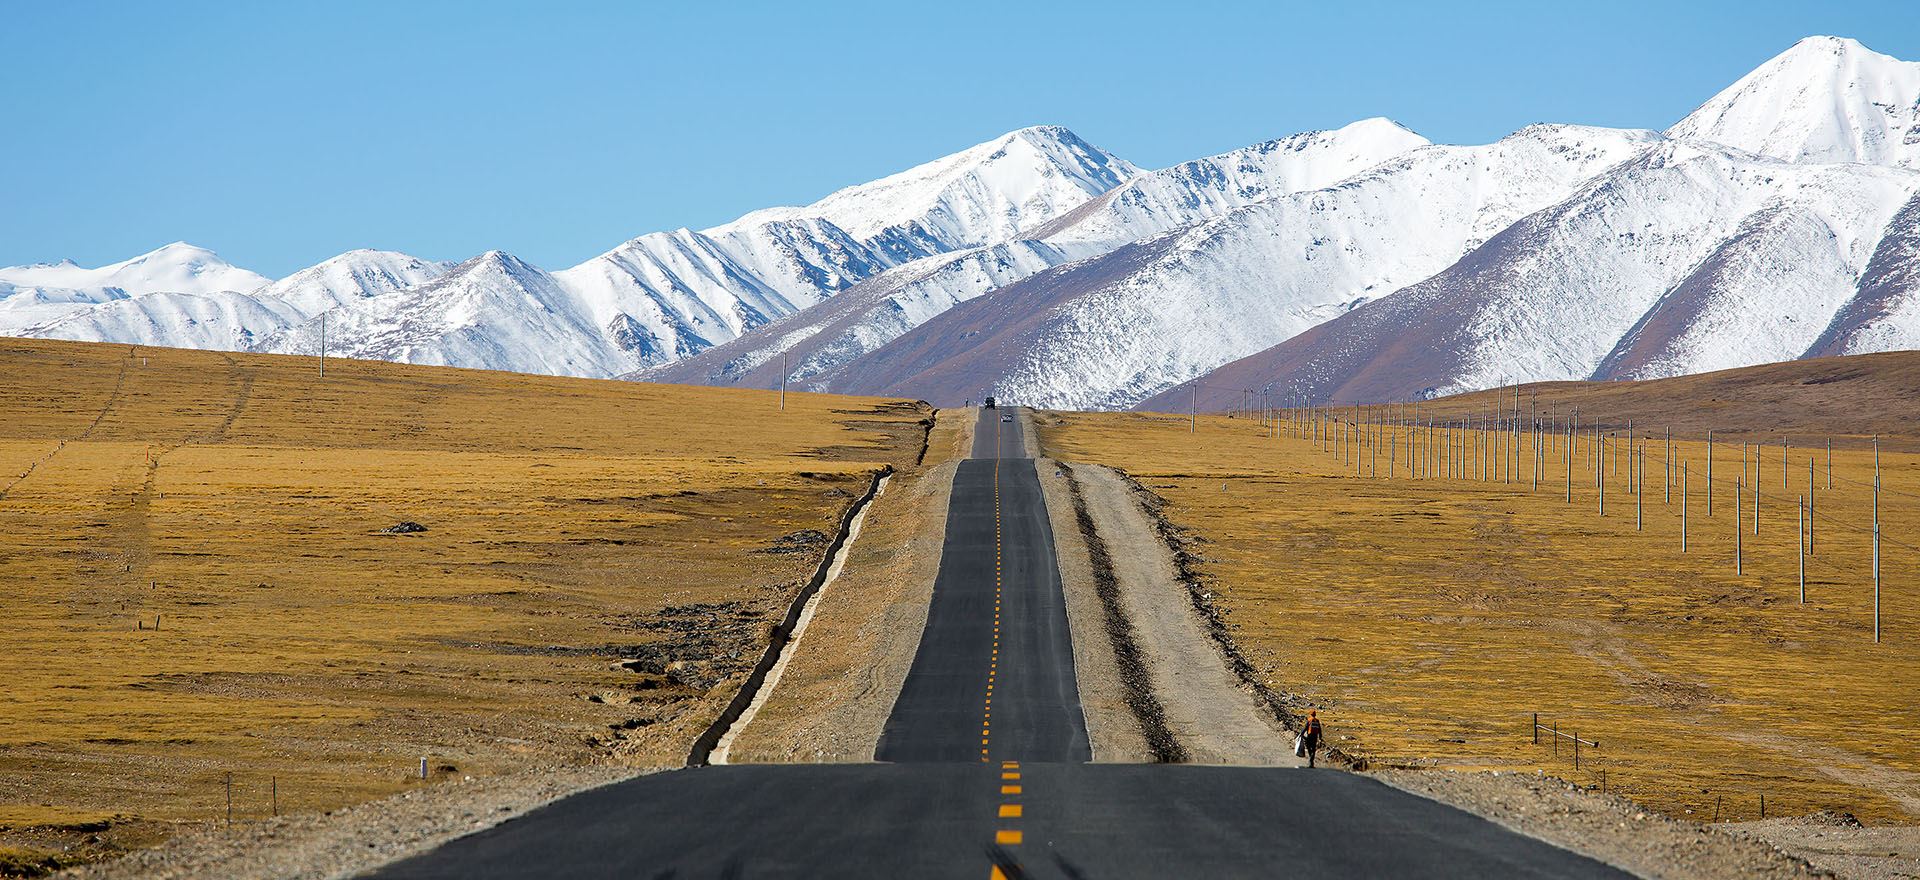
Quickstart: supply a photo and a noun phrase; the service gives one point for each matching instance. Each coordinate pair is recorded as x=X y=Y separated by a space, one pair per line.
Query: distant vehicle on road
x=1006 y=418
x=988 y=403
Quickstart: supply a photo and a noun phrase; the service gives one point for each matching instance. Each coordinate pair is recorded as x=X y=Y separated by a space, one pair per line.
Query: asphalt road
x=978 y=783
x=993 y=677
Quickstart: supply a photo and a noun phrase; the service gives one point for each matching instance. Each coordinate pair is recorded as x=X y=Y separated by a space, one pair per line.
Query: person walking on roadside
x=1310 y=735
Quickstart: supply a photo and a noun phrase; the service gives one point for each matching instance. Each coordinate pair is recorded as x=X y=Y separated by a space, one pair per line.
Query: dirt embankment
x=841 y=682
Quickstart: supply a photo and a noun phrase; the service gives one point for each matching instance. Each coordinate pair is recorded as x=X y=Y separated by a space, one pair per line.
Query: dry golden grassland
x=1431 y=617
x=240 y=502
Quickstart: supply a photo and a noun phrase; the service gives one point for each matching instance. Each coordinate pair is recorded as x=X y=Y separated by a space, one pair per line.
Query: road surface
x=994 y=673
x=982 y=769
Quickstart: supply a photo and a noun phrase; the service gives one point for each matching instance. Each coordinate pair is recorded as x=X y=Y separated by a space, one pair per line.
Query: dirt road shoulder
x=1191 y=694
x=840 y=684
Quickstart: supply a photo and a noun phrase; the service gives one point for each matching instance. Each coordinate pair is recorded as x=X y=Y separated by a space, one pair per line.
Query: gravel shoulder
x=353 y=840
x=844 y=675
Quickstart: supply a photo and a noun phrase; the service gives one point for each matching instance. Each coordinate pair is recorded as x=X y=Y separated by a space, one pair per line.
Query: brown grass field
x=1431 y=617
x=240 y=501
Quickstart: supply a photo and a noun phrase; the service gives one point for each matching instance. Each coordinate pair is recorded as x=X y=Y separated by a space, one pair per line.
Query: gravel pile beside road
x=1608 y=828
x=1839 y=843
x=356 y=839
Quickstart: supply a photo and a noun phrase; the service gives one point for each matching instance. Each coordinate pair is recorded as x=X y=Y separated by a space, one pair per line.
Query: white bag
x=1299 y=746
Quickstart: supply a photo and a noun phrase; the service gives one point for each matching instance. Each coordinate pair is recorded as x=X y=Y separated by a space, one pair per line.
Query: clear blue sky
x=279 y=134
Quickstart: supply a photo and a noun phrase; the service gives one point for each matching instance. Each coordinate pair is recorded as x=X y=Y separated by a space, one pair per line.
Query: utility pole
x=1568 y=454
x=1876 y=539
x=783 y=381
x=1809 y=505
x=1193 y=404
x=1709 y=471
x=323 y=345
x=1737 y=488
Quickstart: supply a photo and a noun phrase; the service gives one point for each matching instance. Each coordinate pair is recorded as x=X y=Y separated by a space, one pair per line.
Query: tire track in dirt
x=59 y=445
x=131 y=525
x=113 y=397
x=242 y=380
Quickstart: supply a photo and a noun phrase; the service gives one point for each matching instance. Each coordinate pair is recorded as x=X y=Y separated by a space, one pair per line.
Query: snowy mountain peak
x=984 y=193
x=175 y=268
x=180 y=256
x=1160 y=200
x=496 y=262
x=351 y=277
x=1825 y=99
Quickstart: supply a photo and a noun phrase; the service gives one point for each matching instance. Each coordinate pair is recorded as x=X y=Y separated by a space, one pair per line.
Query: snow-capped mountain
x=1825 y=100
x=1769 y=227
x=175 y=268
x=1112 y=329
x=1781 y=219
x=187 y=297
x=1690 y=257
x=666 y=296
x=494 y=310
x=654 y=299
x=982 y=194
x=31 y=296
x=223 y=321
x=350 y=278
x=876 y=312
x=1180 y=195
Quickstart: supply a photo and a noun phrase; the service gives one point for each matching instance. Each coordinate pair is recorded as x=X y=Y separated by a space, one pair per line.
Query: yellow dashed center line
x=1009 y=770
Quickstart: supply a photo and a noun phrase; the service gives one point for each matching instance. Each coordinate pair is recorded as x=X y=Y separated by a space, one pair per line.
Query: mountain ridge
x=1778 y=219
